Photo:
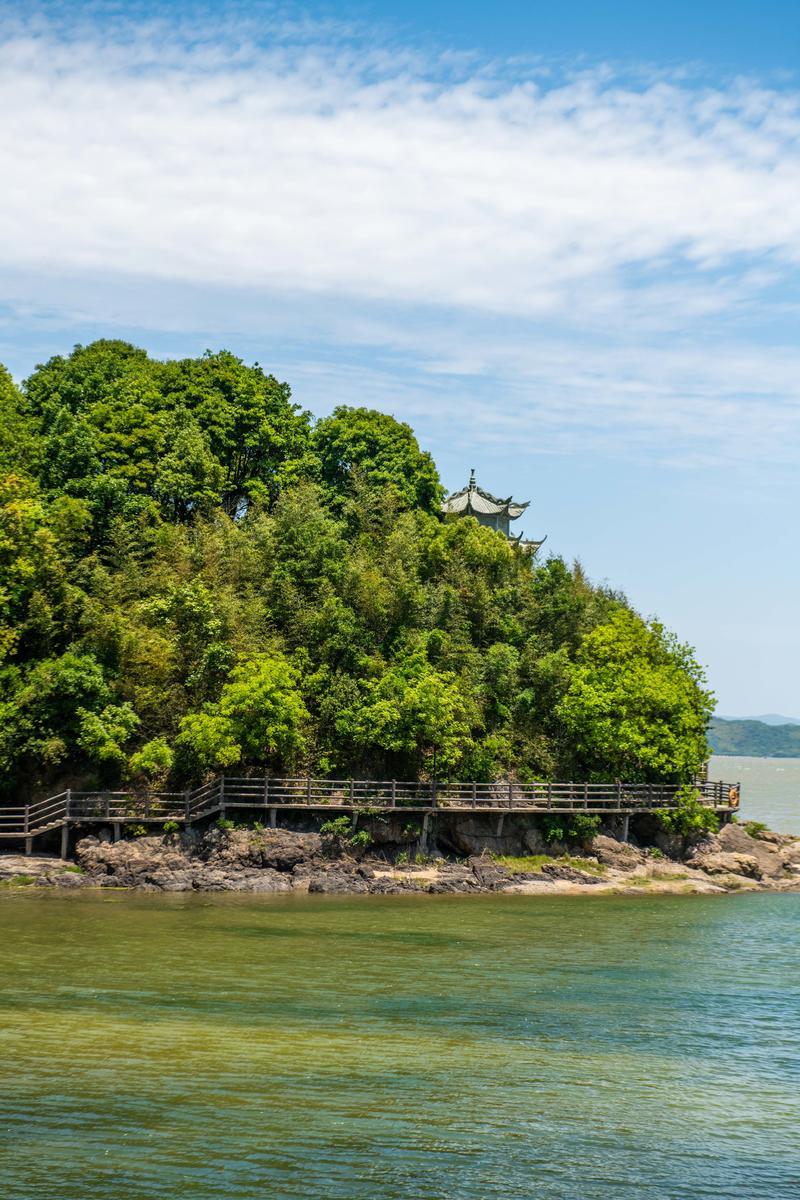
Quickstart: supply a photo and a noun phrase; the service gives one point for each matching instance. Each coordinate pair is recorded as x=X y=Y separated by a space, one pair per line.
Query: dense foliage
x=195 y=576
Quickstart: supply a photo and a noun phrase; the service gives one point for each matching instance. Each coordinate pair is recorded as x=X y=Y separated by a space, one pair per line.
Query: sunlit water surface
x=367 y=1048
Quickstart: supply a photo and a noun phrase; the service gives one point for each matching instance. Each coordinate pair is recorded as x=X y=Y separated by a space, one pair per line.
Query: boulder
x=336 y=882
x=621 y=856
x=489 y=874
x=733 y=839
x=730 y=863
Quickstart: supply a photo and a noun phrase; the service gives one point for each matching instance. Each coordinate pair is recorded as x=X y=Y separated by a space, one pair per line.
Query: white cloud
x=568 y=238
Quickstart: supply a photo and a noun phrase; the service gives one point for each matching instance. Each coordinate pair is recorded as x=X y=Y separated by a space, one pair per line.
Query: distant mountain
x=760 y=739
x=765 y=719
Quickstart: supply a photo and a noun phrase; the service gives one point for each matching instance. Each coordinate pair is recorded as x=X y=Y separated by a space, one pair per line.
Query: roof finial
x=472 y=477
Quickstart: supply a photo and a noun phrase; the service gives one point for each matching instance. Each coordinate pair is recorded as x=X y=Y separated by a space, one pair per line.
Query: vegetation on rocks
x=196 y=576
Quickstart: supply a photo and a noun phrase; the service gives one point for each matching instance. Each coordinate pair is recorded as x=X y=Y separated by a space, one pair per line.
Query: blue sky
x=561 y=240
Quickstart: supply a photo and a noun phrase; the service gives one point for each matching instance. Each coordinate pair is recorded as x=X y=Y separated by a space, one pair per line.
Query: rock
x=337 y=882
x=490 y=875
x=619 y=855
x=729 y=863
x=734 y=839
x=571 y=874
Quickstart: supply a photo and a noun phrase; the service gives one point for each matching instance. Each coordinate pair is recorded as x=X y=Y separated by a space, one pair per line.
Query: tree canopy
x=195 y=575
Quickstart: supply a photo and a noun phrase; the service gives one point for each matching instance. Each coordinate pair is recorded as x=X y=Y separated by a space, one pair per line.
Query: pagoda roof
x=472 y=499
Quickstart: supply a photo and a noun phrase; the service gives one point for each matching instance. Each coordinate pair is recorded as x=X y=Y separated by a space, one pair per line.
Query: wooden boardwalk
x=271 y=796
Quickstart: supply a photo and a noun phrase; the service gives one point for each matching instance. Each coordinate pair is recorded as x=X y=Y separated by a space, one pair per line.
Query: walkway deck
x=95 y=809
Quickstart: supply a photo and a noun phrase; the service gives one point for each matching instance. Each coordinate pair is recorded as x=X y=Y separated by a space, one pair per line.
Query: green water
x=399 y=1048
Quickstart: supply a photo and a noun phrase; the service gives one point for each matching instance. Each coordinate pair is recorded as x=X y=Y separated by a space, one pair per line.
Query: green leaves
x=636 y=708
x=260 y=718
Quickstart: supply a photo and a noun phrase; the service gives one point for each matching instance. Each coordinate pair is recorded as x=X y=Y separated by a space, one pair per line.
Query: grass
x=517 y=865
x=74 y=869
x=19 y=881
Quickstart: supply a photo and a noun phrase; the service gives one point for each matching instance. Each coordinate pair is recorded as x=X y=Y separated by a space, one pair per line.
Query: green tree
x=361 y=443
x=636 y=707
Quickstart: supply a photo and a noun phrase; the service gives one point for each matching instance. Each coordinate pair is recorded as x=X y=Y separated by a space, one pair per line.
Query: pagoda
x=488 y=510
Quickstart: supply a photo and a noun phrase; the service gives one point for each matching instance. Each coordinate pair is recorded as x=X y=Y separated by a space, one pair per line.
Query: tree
x=257 y=435
x=260 y=716
x=416 y=713
x=362 y=443
x=636 y=706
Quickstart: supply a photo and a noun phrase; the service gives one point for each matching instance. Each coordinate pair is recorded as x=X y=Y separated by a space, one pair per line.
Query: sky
x=561 y=240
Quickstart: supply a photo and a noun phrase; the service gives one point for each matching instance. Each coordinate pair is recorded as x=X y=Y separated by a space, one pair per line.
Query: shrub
x=582 y=827
x=225 y=824
x=170 y=827
x=336 y=827
x=754 y=828
x=137 y=831
x=361 y=840
x=578 y=828
x=688 y=817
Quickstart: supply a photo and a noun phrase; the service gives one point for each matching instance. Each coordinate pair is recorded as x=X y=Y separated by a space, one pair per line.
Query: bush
x=337 y=827
x=754 y=828
x=361 y=840
x=690 y=816
x=170 y=827
x=137 y=831
x=578 y=828
x=225 y=824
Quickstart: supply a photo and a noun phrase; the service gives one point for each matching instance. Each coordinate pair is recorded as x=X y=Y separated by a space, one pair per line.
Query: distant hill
x=756 y=738
x=765 y=718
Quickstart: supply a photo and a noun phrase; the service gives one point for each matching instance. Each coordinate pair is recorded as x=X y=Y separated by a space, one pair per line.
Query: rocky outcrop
x=282 y=860
x=734 y=851
x=619 y=855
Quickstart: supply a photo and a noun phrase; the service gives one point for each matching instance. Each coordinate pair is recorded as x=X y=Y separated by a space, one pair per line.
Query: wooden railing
x=265 y=793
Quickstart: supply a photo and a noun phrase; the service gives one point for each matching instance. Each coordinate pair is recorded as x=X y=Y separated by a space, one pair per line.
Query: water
x=158 y=1047
x=770 y=788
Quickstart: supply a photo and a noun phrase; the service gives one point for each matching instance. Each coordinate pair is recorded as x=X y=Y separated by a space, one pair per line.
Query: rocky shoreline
x=282 y=860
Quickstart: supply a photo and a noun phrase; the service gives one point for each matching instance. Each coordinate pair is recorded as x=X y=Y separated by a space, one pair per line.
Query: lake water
x=770 y=788
x=160 y=1047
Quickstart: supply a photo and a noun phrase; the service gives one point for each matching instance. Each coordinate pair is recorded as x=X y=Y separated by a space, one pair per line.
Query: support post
x=222 y=797
x=273 y=818
x=187 y=808
x=423 y=841
x=117 y=831
x=394 y=793
x=500 y=820
x=64 y=840
x=626 y=822
x=510 y=793
x=28 y=846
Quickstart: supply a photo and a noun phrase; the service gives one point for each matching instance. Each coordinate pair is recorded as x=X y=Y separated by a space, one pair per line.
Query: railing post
x=549 y=794
x=394 y=793
x=433 y=793
x=187 y=806
x=308 y=790
x=586 y=795
x=222 y=797
x=67 y=804
x=510 y=793
x=351 y=792
x=266 y=791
